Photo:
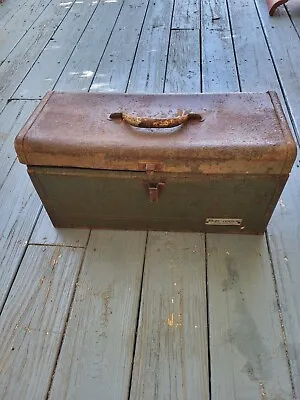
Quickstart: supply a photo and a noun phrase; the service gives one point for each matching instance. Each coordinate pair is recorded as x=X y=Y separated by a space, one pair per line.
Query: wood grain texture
x=247 y=349
x=12 y=120
x=284 y=225
x=248 y=359
x=294 y=12
x=9 y=10
x=52 y=60
x=18 y=64
x=19 y=209
x=183 y=70
x=45 y=233
x=171 y=355
x=104 y=16
x=255 y=66
x=284 y=239
x=115 y=66
x=218 y=66
x=285 y=50
x=19 y=24
x=96 y=355
x=186 y=14
x=80 y=68
x=33 y=320
x=149 y=66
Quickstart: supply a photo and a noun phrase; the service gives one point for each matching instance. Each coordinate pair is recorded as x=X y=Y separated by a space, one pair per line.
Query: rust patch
x=148 y=122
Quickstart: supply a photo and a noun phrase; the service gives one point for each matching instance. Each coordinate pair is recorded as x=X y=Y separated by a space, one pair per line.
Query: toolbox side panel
x=176 y=202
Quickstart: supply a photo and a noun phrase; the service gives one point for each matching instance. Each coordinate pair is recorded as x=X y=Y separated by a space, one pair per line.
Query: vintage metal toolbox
x=203 y=162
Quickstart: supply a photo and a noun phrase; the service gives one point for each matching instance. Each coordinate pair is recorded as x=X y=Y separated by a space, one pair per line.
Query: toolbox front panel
x=75 y=197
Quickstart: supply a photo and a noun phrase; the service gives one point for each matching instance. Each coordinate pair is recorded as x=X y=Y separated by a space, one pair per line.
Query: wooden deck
x=144 y=315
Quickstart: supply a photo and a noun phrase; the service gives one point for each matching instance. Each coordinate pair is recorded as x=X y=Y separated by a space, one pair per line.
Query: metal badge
x=224 y=221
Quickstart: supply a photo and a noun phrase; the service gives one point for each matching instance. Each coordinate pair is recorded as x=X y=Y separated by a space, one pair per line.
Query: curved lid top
x=238 y=133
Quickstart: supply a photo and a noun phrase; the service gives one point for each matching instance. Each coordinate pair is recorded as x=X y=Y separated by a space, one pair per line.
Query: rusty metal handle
x=146 y=122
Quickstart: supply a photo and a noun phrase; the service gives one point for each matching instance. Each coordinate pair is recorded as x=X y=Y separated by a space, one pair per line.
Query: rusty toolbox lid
x=206 y=133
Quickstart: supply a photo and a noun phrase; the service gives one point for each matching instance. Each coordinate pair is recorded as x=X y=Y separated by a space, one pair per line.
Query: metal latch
x=150 y=167
x=154 y=190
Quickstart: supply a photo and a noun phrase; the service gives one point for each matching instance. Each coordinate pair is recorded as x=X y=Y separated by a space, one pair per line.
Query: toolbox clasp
x=154 y=190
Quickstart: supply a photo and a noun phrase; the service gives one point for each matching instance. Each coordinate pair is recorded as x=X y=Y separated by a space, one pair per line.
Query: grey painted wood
x=19 y=205
x=9 y=9
x=18 y=25
x=80 y=68
x=45 y=233
x=186 y=14
x=284 y=241
x=218 y=67
x=149 y=67
x=294 y=13
x=51 y=62
x=171 y=354
x=248 y=359
x=284 y=226
x=87 y=53
x=33 y=319
x=247 y=349
x=115 y=66
x=183 y=71
x=255 y=65
x=96 y=355
x=19 y=63
x=12 y=120
x=19 y=209
x=285 y=49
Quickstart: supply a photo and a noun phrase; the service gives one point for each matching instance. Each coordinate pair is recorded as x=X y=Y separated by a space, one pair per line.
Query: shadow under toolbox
x=200 y=162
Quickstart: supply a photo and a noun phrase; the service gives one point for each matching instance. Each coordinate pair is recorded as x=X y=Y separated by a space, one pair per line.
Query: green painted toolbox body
x=199 y=162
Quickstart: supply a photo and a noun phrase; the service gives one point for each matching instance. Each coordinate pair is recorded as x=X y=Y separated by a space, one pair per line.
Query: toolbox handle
x=148 y=122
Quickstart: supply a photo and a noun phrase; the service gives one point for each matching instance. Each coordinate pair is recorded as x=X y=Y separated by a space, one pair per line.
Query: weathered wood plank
x=19 y=63
x=45 y=233
x=284 y=45
x=115 y=66
x=19 y=24
x=186 y=14
x=12 y=120
x=183 y=71
x=149 y=67
x=294 y=13
x=247 y=349
x=19 y=209
x=9 y=9
x=248 y=359
x=284 y=239
x=255 y=66
x=96 y=355
x=104 y=16
x=172 y=323
x=171 y=354
x=284 y=226
x=56 y=53
x=80 y=69
x=33 y=319
x=218 y=66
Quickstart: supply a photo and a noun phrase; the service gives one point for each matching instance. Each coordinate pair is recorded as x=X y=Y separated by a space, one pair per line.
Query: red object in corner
x=273 y=4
